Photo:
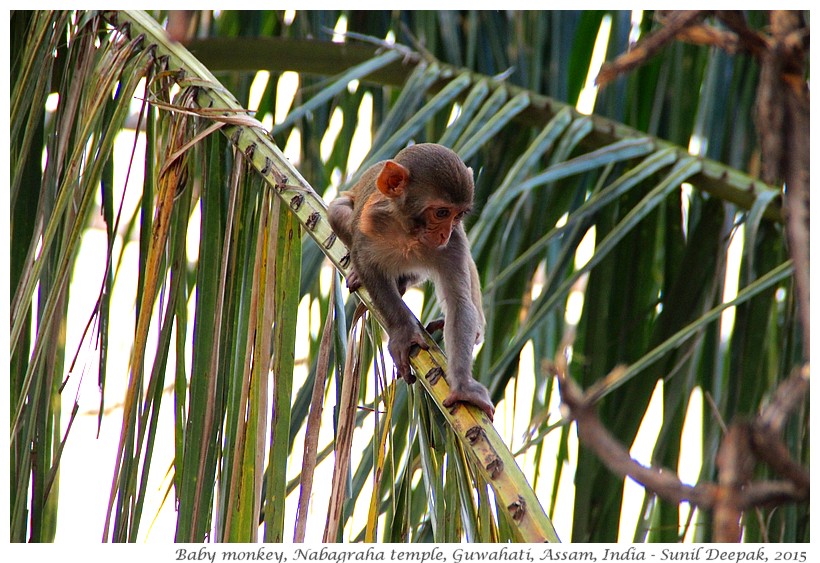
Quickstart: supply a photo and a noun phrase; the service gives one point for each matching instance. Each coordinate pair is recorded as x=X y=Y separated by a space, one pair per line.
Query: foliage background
x=551 y=184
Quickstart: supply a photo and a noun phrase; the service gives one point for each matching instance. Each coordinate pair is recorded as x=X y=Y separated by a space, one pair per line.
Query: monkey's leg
x=341 y=216
x=435 y=326
x=407 y=280
x=353 y=281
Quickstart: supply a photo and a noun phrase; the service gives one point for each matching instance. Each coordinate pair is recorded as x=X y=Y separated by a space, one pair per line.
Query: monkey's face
x=438 y=221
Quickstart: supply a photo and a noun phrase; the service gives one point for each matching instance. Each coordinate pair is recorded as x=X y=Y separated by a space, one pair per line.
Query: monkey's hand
x=402 y=345
x=468 y=390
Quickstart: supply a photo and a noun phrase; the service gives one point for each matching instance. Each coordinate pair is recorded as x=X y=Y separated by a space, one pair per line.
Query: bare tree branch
x=745 y=443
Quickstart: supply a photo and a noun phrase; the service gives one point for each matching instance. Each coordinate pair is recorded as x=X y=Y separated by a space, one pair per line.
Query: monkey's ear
x=392 y=179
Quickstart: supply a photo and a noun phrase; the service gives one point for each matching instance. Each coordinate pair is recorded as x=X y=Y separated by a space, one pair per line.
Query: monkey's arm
x=464 y=323
x=402 y=326
x=475 y=294
x=459 y=340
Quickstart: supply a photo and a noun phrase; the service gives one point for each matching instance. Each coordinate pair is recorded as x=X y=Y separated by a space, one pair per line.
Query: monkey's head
x=431 y=189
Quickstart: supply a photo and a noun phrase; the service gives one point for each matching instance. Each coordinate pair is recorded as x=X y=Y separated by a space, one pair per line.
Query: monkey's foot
x=353 y=281
x=470 y=391
x=438 y=324
x=435 y=326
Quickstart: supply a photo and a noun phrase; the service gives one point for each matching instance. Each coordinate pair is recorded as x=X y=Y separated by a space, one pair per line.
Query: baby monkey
x=402 y=224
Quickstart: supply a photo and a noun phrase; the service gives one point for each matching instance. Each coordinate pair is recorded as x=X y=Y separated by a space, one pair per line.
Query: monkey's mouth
x=434 y=241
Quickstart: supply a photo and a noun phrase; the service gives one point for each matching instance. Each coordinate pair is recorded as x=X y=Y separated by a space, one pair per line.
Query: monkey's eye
x=442 y=213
